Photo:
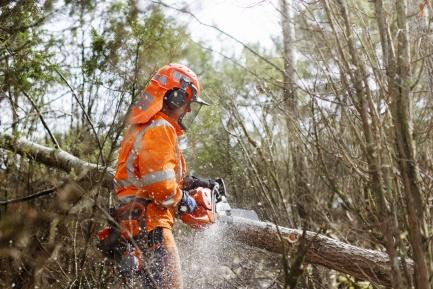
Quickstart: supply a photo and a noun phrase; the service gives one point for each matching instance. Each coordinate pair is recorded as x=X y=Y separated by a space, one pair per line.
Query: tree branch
x=28 y=198
x=59 y=159
x=53 y=139
x=85 y=114
x=185 y=11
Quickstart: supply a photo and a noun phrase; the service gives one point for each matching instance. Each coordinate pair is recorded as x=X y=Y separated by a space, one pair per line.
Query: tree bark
x=361 y=263
x=289 y=75
x=405 y=146
x=303 y=198
x=58 y=159
x=365 y=264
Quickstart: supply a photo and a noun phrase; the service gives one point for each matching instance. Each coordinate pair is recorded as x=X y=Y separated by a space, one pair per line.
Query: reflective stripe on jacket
x=150 y=166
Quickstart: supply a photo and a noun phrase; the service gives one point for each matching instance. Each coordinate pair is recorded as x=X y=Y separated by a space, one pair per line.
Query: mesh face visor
x=187 y=120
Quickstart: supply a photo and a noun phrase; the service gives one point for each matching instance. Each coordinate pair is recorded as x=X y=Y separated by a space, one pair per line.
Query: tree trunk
x=288 y=28
x=361 y=263
x=303 y=198
x=405 y=146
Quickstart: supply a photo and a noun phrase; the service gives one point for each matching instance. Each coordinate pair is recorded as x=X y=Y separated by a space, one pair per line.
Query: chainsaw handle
x=191 y=182
x=222 y=190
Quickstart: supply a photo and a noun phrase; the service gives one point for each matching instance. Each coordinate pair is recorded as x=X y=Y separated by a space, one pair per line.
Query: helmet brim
x=200 y=101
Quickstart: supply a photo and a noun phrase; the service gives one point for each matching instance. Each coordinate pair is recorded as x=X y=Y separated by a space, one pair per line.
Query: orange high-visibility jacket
x=151 y=166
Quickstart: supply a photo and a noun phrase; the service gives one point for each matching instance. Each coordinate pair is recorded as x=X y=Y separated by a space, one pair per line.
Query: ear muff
x=175 y=98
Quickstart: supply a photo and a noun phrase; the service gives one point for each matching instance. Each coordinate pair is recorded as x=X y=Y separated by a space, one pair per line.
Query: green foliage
x=23 y=60
x=96 y=60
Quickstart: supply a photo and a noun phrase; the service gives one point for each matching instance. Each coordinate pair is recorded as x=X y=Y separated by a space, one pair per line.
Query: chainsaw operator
x=151 y=168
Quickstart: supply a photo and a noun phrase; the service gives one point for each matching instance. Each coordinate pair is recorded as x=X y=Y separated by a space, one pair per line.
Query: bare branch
x=28 y=198
x=59 y=159
x=53 y=139
x=222 y=32
x=85 y=114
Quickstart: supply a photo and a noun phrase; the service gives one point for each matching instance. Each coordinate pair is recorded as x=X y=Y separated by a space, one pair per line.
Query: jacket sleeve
x=158 y=165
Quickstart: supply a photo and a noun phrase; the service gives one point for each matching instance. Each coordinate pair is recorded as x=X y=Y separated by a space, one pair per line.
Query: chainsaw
x=212 y=204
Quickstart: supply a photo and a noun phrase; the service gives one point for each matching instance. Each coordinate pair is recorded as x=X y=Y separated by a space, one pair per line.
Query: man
x=151 y=168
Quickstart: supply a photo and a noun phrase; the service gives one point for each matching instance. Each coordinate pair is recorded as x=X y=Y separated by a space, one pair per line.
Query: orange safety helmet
x=170 y=77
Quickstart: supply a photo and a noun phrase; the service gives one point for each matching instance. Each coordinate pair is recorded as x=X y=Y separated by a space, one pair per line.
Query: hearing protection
x=176 y=97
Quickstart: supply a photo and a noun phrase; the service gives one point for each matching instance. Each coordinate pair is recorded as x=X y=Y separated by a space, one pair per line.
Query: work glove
x=213 y=184
x=187 y=204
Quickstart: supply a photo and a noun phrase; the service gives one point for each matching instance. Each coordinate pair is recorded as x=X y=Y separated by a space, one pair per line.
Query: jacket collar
x=179 y=130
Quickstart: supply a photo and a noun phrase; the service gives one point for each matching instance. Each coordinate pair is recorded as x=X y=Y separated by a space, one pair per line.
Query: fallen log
x=358 y=262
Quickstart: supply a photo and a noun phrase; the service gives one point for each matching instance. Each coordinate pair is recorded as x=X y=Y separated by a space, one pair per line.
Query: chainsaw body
x=211 y=202
x=204 y=214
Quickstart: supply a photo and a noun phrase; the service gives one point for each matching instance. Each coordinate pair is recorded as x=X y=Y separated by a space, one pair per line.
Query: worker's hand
x=187 y=204
x=191 y=182
x=213 y=184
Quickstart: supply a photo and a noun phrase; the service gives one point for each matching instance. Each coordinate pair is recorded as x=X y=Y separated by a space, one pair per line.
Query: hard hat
x=168 y=78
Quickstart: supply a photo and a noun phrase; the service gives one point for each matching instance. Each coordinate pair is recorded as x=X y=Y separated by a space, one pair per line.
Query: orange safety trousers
x=163 y=259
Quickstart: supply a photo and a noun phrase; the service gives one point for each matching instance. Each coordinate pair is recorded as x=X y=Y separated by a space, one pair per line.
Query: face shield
x=186 y=120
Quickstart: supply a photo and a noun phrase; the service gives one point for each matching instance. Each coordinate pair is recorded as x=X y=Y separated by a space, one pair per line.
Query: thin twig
x=53 y=139
x=30 y=197
x=85 y=114
x=222 y=32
